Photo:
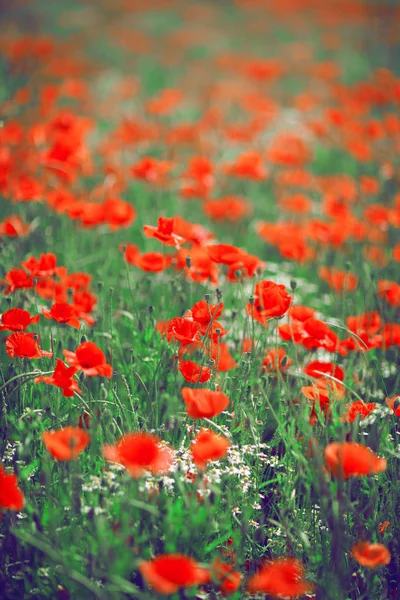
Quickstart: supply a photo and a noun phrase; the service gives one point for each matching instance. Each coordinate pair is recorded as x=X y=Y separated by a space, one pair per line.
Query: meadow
x=199 y=300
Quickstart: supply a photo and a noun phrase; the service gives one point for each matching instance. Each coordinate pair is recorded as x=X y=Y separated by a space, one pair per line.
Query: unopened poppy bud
x=8 y=300
x=151 y=309
x=207 y=297
x=83 y=339
x=251 y=300
x=293 y=284
x=103 y=392
x=284 y=361
x=348 y=265
x=238 y=273
x=100 y=285
x=188 y=262
x=211 y=362
x=107 y=416
x=219 y=294
x=234 y=314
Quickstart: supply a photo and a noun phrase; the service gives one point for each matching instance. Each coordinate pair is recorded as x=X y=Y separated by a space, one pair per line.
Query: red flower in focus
x=349 y=459
x=227 y=579
x=184 y=331
x=281 y=578
x=270 y=300
x=16 y=279
x=17 y=319
x=67 y=443
x=358 y=408
x=167 y=573
x=208 y=446
x=11 y=496
x=25 y=345
x=194 y=373
x=371 y=555
x=63 y=377
x=204 y=403
x=163 y=232
x=62 y=313
x=89 y=359
x=138 y=453
x=13 y=226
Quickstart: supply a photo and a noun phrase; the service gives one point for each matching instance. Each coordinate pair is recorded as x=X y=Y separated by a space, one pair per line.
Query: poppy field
x=200 y=299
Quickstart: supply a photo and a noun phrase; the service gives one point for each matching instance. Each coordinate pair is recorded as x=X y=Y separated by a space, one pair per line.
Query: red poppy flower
x=349 y=459
x=394 y=404
x=339 y=281
x=184 y=331
x=167 y=573
x=118 y=213
x=358 y=408
x=230 y=208
x=62 y=312
x=204 y=403
x=63 y=377
x=192 y=232
x=220 y=353
x=207 y=446
x=194 y=373
x=301 y=313
x=16 y=279
x=163 y=232
x=17 y=319
x=318 y=334
x=281 y=578
x=369 y=322
x=138 y=453
x=25 y=345
x=13 y=226
x=152 y=262
x=45 y=266
x=276 y=360
x=89 y=359
x=197 y=265
x=11 y=496
x=150 y=169
x=390 y=290
x=270 y=300
x=371 y=555
x=249 y=165
x=318 y=369
x=227 y=579
x=67 y=443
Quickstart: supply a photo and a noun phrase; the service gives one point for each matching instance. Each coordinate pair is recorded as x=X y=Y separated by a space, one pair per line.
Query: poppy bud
x=219 y=294
x=103 y=392
x=207 y=297
x=396 y=403
x=188 y=262
x=83 y=339
x=151 y=309
x=8 y=300
x=293 y=284
x=251 y=300
x=107 y=416
x=348 y=265
x=100 y=286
